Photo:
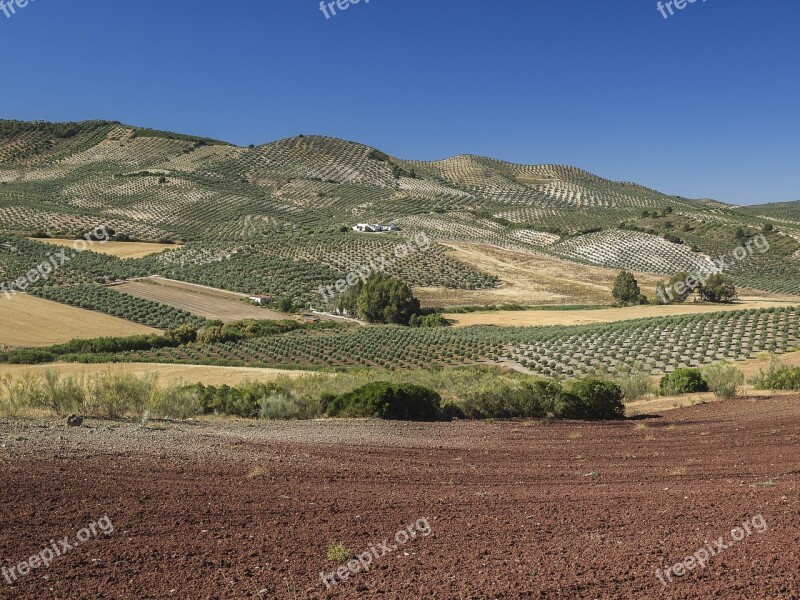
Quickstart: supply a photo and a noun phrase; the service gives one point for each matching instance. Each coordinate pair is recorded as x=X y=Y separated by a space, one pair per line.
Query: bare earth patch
x=28 y=321
x=230 y=509
x=211 y=303
x=118 y=249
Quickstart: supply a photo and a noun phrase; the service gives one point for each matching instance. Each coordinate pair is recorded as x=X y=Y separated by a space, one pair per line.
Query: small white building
x=260 y=300
x=375 y=228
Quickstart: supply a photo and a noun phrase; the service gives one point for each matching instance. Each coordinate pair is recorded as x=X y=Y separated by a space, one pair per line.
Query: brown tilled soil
x=228 y=509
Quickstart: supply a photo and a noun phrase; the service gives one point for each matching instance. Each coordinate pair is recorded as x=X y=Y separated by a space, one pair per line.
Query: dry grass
x=531 y=278
x=535 y=318
x=29 y=321
x=118 y=249
x=167 y=374
x=211 y=303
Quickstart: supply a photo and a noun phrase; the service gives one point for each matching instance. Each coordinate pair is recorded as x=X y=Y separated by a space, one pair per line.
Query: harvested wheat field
x=118 y=249
x=167 y=373
x=211 y=303
x=235 y=509
x=539 y=318
x=29 y=321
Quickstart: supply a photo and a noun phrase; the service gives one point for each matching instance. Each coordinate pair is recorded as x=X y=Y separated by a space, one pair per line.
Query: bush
x=405 y=401
x=778 y=376
x=281 y=405
x=116 y=394
x=724 y=379
x=634 y=380
x=62 y=396
x=178 y=402
x=591 y=398
x=534 y=400
x=683 y=381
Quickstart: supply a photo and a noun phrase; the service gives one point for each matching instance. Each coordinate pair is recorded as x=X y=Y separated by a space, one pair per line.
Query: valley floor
x=230 y=509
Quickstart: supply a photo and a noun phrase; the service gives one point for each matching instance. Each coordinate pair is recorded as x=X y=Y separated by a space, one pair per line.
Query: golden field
x=29 y=321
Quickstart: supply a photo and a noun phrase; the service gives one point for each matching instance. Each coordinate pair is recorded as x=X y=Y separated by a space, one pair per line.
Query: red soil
x=222 y=509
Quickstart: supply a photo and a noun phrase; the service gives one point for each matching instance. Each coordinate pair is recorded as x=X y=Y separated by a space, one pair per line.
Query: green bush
x=778 y=376
x=634 y=380
x=63 y=396
x=178 y=402
x=117 y=394
x=281 y=405
x=724 y=379
x=405 y=401
x=683 y=381
x=534 y=400
x=591 y=398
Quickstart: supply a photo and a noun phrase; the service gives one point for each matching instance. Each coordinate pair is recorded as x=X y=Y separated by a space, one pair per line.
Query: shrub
x=116 y=394
x=62 y=396
x=724 y=379
x=634 y=380
x=535 y=400
x=592 y=398
x=778 y=376
x=15 y=394
x=281 y=405
x=178 y=402
x=683 y=381
x=405 y=401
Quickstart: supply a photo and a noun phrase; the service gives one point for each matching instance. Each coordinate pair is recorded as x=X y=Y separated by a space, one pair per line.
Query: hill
x=276 y=218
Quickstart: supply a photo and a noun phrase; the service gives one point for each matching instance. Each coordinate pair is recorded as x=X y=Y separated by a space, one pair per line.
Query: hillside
x=253 y=216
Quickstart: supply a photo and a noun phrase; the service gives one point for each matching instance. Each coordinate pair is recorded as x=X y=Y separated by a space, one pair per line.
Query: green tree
x=386 y=299
x=626 y=290
x=675 y=290
x=719 y=289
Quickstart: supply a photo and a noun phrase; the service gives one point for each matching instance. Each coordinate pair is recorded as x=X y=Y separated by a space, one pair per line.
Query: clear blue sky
x=703 y=104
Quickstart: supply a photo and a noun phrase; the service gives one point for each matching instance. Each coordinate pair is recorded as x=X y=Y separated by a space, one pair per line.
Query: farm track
x=222 y=509
x=199 y=300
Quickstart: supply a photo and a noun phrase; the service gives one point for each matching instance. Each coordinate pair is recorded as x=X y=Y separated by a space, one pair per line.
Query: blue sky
x=702 y=104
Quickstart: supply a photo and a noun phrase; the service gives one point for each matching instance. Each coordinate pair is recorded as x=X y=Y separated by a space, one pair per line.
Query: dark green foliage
x=719 y=288
x=592 y=399
x=407 y=402
x=432 y=320
x=241 y=401
x=683 y=381
x=626 y=289
x=386 y=299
